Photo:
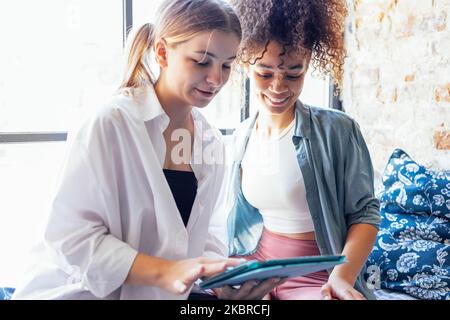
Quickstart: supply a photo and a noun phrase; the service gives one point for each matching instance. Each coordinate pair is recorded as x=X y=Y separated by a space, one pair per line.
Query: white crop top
x=273 y=183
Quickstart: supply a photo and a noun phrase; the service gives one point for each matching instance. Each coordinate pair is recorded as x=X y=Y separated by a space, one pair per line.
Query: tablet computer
x=282 y=268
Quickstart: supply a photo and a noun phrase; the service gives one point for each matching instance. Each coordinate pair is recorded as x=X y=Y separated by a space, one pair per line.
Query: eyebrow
x=212 y=55
x=293 y=67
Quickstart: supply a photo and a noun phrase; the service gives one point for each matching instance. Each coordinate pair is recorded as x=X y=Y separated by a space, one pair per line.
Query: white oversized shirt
x=113 y=201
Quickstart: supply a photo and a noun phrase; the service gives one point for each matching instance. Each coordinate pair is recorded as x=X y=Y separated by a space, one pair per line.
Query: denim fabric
x=6 y=293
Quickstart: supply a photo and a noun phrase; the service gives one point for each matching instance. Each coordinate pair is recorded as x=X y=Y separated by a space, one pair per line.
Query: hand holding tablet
x=279 y=268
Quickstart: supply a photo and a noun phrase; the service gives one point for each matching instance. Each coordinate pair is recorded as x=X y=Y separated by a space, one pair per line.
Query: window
x=58 y=59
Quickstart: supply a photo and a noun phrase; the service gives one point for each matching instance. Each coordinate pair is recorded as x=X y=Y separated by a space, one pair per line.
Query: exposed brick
x=442 y=138
x=440 y=21
x=394 y=96
x=397 y=85
x=442 y=93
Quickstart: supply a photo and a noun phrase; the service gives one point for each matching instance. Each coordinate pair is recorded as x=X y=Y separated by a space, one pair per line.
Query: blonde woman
x=131 y=216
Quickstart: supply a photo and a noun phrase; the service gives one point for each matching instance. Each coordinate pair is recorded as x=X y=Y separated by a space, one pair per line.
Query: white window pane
x=144 y=11
x=57 y=59
x=28 y=178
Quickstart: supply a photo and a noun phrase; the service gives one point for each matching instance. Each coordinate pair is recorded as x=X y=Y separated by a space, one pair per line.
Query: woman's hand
x=339 y=288
x=177 y=276
x=250 y=290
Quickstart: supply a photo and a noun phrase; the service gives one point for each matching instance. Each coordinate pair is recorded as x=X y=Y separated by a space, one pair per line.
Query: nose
x=215 y=77
x=277 y=85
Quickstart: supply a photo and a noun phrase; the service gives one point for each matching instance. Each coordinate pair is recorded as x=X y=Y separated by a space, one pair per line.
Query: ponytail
x=137 y=70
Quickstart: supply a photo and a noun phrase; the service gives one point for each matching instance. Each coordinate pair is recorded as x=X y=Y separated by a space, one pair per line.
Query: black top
x=183 y=185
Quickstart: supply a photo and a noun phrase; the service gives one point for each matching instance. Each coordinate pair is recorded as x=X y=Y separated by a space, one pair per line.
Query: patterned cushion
x=383 y=294
x=411 y=251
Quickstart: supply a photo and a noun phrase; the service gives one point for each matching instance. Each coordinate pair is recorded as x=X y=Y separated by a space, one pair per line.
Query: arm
x=174 y=276
x=84 y=237
x=362 y=216
x=359 y=243
x=78 y=235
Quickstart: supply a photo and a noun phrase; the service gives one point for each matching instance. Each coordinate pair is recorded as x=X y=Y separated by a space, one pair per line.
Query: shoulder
x=105 y=121
x=331 y=125
x=331 y=117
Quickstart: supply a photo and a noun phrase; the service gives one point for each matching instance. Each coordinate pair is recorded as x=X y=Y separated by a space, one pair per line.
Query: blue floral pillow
x=412 y=246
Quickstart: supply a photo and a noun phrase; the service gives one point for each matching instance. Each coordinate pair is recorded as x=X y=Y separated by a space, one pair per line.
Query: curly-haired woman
x=302 y=178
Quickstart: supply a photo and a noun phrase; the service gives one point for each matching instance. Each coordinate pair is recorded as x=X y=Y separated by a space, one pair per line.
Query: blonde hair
x=178 y=21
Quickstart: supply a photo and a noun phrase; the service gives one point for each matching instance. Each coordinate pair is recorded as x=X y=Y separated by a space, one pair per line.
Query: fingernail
x=179 y=286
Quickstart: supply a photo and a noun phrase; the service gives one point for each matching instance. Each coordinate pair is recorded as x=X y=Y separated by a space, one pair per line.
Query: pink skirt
x=274 y=246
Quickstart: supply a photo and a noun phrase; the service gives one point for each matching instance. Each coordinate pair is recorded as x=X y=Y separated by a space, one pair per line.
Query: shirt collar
x=302 y=120
x=151 y=108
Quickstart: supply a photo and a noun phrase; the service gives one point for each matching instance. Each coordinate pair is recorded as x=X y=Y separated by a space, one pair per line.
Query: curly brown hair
x=317 y=25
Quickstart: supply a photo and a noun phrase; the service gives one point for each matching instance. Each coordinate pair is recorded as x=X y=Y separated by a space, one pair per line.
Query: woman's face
x=197 y=69
x=278 y=80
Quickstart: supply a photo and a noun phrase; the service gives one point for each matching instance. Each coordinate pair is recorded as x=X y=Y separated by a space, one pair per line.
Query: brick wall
x=397 y=78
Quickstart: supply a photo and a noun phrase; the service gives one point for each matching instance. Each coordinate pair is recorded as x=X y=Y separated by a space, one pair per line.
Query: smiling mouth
x=276 y=101
x=207 y=94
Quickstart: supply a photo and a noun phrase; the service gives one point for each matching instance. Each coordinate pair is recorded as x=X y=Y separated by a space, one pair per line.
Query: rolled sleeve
x=109 y=267
x=78 y=232
x=361 y=205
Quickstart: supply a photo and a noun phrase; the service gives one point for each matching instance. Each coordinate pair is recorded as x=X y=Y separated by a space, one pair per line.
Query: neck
x=269 y=125
x=178 y=112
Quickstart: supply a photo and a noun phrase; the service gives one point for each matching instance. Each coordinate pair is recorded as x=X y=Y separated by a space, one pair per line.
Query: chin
x=201 y=104
x=277 y=110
